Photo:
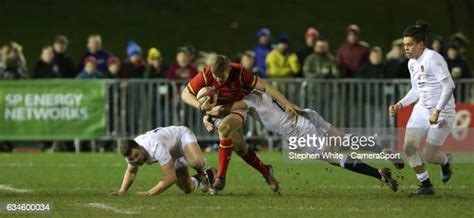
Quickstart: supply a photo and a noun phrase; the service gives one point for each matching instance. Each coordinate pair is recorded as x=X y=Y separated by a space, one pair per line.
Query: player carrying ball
x=232 y=82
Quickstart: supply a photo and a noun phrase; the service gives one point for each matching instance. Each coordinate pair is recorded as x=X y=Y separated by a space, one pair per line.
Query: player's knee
x=224 y=130
x=409 y=148
x=429 y=156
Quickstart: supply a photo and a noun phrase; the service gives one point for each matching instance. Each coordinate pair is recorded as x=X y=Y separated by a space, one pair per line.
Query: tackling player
x=174 y=148
x=434 y=114
x=268 y=112
x=233 y=82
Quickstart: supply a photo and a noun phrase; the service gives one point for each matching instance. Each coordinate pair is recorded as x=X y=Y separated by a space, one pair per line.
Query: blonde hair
x=219 y=64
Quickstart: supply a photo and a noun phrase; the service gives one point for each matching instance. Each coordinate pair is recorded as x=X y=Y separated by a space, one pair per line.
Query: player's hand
x=434 y=116
x=217 y=111
x=394 y=108
x=206 y=105
x=207 y=123
x=118 y=193
x=147 y=193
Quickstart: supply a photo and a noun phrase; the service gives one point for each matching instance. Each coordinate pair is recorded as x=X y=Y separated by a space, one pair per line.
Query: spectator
x=353 y=54
x=262 y=49
x=281 y=63
x=437 y=44
x=248 y=62
x=461 y=41
x=90 y=69
x=113 y=68
x=457 y=65
x=311 y=36
x=134 y=66
x=154 y=68
x=320 y=64
x=94 y=48
x=182 y=69
x=45 y=67
x=13 y=62
x=374 y=68
x=61 y=60
x=397 y=62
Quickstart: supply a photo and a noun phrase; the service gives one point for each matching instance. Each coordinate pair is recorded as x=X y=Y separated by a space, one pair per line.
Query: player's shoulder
x=236 y=68
x=435 y=58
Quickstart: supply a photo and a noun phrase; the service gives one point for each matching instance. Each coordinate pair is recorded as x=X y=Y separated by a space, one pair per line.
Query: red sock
x=225 y=152
x=252 y=159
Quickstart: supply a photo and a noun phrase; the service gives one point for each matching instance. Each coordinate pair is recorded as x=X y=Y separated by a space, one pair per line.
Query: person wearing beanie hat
x=61 y=60
x=262 y=49
x=311 y=36
x=113 y=68
x=133 y=48
x=353 y=54
x=280 y=62
x=94 y=48
x=154 y=68
x=134 y=66
x=90 y=69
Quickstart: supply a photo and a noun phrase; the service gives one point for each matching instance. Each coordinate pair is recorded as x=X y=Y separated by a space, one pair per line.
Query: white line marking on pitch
x=111 y=208
x=13 y=189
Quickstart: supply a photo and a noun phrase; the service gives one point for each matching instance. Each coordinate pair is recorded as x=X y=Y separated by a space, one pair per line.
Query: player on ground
x=268 y=112
x=434 y=114
x=174 y=148
x=232 y=82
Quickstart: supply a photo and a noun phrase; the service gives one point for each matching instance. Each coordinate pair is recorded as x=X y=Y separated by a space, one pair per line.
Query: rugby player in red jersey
x=232 y=82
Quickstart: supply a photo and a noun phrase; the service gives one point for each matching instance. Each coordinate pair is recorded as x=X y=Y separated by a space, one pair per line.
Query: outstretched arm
x=274 y=93
x=168 y=180
x=128 y=178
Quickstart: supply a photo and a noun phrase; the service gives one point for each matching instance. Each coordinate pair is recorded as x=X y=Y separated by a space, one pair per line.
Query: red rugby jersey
x=239 y=83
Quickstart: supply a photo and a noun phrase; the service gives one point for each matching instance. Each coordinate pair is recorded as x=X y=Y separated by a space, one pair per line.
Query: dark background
x=223 y=26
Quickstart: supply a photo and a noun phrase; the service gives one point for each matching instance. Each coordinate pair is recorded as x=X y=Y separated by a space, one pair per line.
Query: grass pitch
x=77 y=185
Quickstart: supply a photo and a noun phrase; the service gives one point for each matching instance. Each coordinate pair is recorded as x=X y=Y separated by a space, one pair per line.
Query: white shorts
x=419 y=125
x=187 y=137
x=241 y=113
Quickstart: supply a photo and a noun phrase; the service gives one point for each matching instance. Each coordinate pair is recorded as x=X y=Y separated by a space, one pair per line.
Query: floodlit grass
x=78 y=185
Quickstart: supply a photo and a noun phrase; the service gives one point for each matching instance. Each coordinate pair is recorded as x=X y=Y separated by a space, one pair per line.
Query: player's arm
x=275 y=94
x=221 y=111
x=128 y=178
x=190 y=99
x=168 y=180
x=410 y=98
x=192 y=88
x=442 y=74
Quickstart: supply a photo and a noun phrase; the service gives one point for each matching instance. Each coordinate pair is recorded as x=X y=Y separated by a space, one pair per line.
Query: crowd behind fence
x=135 y=106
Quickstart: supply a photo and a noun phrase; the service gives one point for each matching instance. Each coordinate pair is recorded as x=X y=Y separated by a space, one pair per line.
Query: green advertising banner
x=52 y=109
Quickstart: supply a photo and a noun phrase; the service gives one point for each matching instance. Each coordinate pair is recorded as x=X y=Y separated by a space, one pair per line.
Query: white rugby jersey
x=426 y=74
x=274 y=117
x=162 y=144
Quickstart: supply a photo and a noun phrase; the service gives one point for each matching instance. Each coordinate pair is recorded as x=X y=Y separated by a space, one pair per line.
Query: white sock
x=423 y=176
x=195 y=182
